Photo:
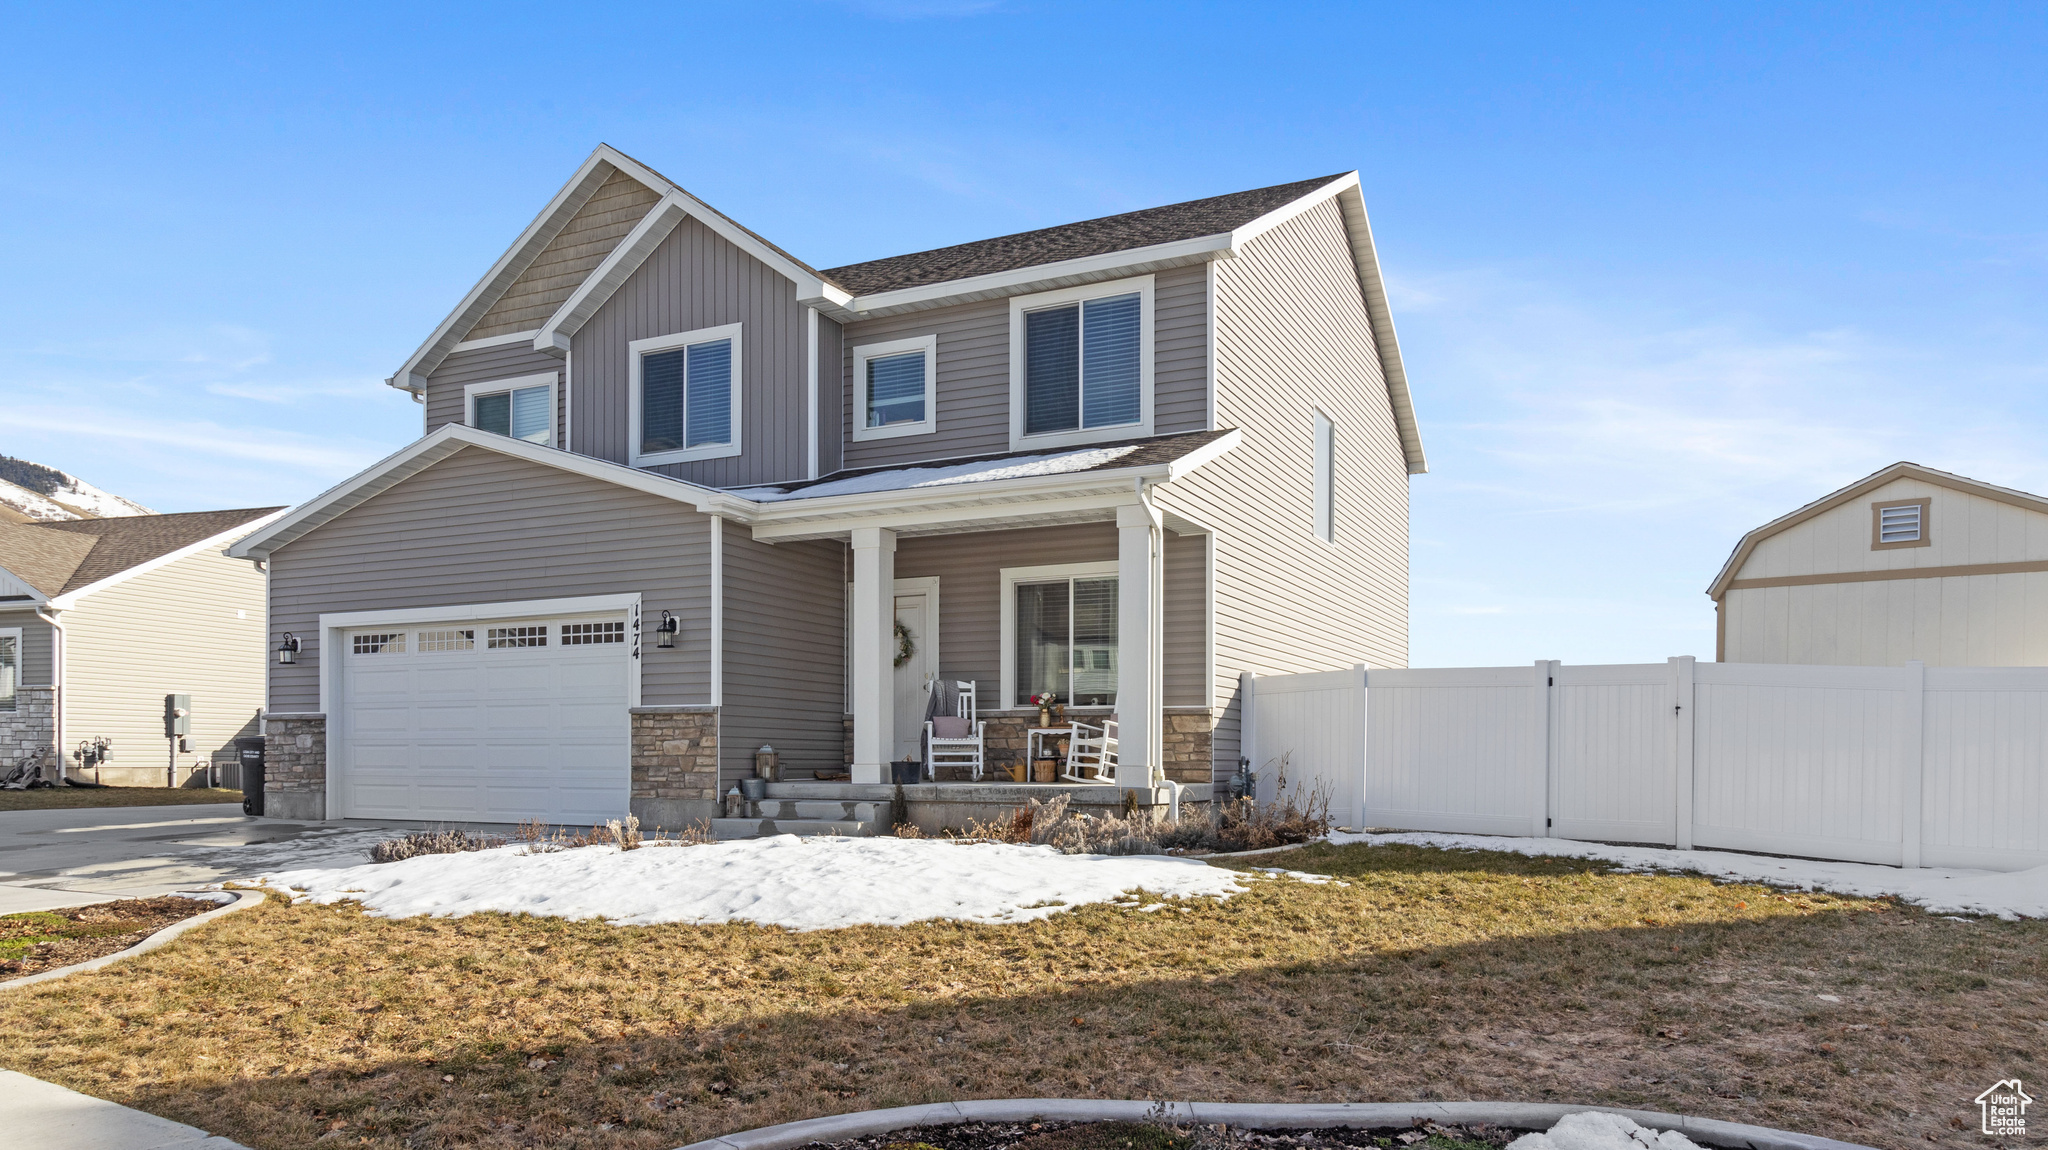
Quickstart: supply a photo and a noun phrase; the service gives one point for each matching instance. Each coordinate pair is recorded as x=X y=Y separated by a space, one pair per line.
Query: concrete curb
x=244 y=899
x=1256 y=1115
x=51 y=1117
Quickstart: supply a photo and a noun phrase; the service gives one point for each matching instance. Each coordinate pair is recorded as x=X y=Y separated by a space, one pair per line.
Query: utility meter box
x=177 y=716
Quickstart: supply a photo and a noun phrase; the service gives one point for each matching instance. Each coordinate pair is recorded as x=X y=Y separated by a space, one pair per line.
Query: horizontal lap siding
x=696 y=279
x=35 y=646
x=590 y=235
x=480 y=527
x=785 y=622
x=974 y=371
x=444 y=387
x=969 y=570
x=168 y=631
x=1292 y=336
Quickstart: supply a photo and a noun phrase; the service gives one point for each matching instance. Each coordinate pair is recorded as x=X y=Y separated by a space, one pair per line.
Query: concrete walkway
x=49 y=1117
x=57 y=858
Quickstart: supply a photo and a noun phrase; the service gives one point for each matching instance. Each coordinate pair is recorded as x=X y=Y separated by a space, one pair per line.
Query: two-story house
x=681 y=495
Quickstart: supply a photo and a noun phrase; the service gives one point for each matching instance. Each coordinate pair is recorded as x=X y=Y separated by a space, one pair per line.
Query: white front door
x=917 y=612
x=491 y=721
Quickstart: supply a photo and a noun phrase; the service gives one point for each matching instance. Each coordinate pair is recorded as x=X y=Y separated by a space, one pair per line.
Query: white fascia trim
x=67 y=601
x=1011 y=576
x=510 y=337
x=625 y=259
x=929 y=345
x=1220 y=246
x=639 y=349
x=548 y=379
x=1245 y=233
x=480 y=612
x=12 y=584
x=957 y=517
x=545 y=226
x=446 y=440
x=1020 y=304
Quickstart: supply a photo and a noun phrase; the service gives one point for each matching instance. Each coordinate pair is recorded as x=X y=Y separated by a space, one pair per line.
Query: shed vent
x=1898 y=524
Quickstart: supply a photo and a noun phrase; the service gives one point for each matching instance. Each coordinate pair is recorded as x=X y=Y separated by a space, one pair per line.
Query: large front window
x=1065 y=640
x=686 y=396
x=10 y=667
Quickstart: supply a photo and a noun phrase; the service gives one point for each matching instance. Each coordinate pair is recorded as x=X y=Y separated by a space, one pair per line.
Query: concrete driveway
x=50 y=859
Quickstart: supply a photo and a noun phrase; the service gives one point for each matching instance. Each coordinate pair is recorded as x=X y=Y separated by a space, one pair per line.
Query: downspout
x=56 y=685
x=1155 y=660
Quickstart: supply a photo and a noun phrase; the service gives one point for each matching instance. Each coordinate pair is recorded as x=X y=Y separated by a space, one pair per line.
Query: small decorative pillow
x=951 y=727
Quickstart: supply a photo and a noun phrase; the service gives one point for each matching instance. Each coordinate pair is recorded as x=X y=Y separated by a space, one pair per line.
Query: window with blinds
x=1325 y=464
x=1083 y=365
x=896 y=389
x=687 y=397
x=523 y=413
x=1066 y=641
x=10 y=670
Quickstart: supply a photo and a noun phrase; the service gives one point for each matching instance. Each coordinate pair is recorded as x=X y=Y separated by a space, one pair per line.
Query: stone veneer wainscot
x=29 y=727
x=675 y=766
x=295 y=766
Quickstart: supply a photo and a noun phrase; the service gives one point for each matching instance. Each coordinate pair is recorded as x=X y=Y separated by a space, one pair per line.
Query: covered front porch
x=940 y=808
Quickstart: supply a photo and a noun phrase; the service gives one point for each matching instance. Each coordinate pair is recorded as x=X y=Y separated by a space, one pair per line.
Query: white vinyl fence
x=1913 y=765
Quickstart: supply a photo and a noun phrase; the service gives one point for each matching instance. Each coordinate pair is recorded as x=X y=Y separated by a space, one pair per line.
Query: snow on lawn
x=801 y=883
x=1941 y=890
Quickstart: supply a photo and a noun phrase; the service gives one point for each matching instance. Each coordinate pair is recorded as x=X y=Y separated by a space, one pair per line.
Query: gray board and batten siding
x=1293 y=337
x=697 y=279
x=973 y=382
x=481 y=527
x=35 y=647
x=969 y=569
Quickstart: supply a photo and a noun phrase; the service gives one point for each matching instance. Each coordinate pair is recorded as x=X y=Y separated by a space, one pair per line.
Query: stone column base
x=295 y=767
x=675 y=766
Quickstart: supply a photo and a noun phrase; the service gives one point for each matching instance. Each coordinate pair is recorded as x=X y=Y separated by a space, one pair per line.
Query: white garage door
x=494 y=721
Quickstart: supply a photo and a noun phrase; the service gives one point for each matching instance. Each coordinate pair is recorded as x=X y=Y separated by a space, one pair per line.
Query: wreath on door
x=905 y=647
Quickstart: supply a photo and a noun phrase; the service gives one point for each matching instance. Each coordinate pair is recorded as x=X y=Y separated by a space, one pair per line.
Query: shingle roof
x=1148 y=452
x=1138 y=229
x=64 y=556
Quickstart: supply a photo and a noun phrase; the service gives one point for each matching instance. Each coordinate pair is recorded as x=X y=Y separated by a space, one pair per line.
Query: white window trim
x=1323 y=501
x=20 y=662
x=551 y=380
x=1024 y=303
x=929 y=345
x=642 y=347
x=1052 y=572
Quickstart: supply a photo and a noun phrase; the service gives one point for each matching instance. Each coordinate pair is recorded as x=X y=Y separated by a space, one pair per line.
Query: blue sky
x=1661 y=272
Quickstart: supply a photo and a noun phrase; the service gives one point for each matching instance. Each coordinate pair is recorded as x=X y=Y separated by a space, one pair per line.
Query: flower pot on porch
x=754 y=789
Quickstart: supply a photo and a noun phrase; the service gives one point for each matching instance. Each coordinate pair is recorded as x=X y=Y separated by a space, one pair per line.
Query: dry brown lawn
x=66 y=798
x=1432 y=975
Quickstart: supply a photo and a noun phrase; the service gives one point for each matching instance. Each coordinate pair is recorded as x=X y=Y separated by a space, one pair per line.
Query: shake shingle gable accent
x=1147 y=227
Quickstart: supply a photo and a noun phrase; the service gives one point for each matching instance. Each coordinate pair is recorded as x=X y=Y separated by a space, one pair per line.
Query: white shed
x=1909 y=563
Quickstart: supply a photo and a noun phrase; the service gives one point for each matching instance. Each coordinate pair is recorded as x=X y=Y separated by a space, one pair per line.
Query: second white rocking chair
x=1091 y=754
x=955 y=740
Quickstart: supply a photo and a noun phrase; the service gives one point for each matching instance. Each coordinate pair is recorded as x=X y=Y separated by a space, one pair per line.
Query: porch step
x=727 y=829
x=842 y=792
x=830 y=810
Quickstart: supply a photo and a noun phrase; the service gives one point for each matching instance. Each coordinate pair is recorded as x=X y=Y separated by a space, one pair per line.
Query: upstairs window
x=1081 y=367
x=1898 y=523
x=1325 y=478
x=686 y=396
x=522 y=408
x=897 y=386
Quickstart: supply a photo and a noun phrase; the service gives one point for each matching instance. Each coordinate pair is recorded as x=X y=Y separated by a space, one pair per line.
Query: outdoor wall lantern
x=665 y=632
x=288 y=651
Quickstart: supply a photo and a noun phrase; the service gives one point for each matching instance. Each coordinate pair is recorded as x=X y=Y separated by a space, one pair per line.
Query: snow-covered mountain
x=31 y=491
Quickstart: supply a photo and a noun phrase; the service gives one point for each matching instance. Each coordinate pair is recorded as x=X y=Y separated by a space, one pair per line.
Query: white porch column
x=874 y=671
x=1140 y=735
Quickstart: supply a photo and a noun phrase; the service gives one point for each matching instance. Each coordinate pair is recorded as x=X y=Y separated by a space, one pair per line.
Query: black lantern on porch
x=665 y=632
x=288 y=651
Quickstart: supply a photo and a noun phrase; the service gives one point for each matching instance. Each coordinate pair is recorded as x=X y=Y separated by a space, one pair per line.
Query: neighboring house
x=1123 y=460
x=1908 y=563
x=100 y=619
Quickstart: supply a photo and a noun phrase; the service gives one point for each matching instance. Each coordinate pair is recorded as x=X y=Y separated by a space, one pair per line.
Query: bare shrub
x=1299 y=814
x=445 y=841
x=542 y=838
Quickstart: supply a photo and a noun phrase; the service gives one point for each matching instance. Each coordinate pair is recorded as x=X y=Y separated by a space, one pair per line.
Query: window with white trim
x=10 y=667
x=522 y=408
x=686 y=396
x=458 y=639
x=896 y=388
x=1081 y=364
x=534 y=635
x=1060 y=634
x=586 y=634
x=1325 y=478
x=382 y=643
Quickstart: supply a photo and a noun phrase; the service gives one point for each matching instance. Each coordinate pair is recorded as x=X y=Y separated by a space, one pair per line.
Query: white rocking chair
x=961 y=743
x=1091 y=754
